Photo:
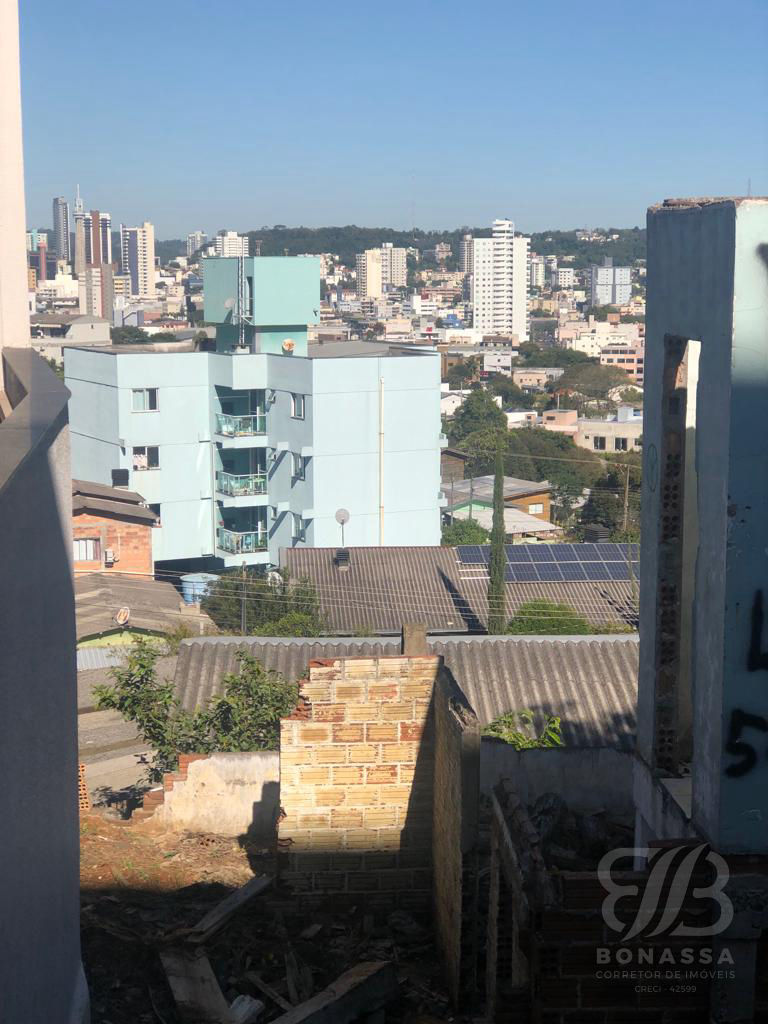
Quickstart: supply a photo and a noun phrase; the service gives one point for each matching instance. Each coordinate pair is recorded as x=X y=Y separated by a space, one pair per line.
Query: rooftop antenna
x=78 y=202
x=342 y=517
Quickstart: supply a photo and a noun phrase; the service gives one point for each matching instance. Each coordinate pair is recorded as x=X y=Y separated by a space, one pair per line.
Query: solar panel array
x=559 y=563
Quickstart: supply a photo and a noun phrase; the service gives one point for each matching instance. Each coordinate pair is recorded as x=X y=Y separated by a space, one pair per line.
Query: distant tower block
x=703 y=699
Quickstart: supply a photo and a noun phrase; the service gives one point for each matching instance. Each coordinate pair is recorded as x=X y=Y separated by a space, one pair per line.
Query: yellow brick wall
x=356 y=767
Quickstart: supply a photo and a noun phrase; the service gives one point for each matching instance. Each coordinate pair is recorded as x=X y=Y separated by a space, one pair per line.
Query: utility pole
x=626 y=501
x=242 y=605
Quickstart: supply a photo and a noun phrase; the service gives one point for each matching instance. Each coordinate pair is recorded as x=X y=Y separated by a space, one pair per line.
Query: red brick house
x=111 y=529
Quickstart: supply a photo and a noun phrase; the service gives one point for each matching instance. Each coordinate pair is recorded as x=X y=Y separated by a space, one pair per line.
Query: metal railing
x=235 y=543
x=241 y=426
x=238 y=485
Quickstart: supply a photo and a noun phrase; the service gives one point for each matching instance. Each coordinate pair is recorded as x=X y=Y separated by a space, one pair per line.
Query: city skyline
x=567 y=133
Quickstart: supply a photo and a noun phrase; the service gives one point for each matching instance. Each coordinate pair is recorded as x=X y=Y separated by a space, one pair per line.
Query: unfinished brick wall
x=356 y=783
x=455 y=831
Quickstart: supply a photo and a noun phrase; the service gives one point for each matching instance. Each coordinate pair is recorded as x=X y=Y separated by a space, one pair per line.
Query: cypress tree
x=497 y=619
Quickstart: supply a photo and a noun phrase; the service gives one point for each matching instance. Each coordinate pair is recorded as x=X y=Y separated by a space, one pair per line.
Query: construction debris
x=359 y=992
x=194 y=986
x=221 y=913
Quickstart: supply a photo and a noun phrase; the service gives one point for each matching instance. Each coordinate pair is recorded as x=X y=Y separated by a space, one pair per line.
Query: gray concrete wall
x=587 y=779
x=455 y=826
x=227 y=794
x=40 y=974
x=708 y=281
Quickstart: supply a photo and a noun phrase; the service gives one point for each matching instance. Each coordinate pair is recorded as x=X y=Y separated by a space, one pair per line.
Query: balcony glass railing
x=235 y=543
x=241 y=426
x=238 y=485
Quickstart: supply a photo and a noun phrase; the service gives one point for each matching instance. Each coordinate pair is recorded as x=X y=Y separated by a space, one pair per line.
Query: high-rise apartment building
x=137 y=252
x=229 y=243
x=195 y=240
x=501 y=282
x=95 y=291
x=61 y=244
x=537 y=272
x=380 y=269
x=609 y=285
x=98 y=238
x=466 y=254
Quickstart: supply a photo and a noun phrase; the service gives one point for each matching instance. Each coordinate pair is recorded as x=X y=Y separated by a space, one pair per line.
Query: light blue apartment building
x=256 y=445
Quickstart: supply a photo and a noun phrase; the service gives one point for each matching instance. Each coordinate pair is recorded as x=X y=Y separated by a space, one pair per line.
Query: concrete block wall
x=356 y=777
x=225 y=794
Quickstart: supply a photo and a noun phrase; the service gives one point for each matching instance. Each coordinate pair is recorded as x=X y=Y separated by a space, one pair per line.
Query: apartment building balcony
x=234 y=489
x=241 y=431
x=235 y=547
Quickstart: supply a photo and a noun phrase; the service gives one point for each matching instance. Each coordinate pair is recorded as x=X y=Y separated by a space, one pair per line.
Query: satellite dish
x=122 y=616
x=289 y=345
x=274 y=577
x=229 y=303
x=342 y=516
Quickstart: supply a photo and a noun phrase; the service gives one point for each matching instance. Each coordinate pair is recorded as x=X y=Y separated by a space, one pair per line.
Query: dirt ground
x=137 y=887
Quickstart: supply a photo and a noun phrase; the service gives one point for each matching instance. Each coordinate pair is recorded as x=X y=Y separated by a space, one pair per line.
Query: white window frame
x=298 y=406
x=536 y=508
x=83 y=546
x=298 y=527
x=136 y=450
x=146 y=392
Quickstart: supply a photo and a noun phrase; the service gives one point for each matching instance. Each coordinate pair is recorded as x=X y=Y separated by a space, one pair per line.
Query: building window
x=156 y=509
x=299 y=467
x=297 y=407
x=86 y=549
x=144 y=399
x=536 y=509
x=620 y=444
x=299 y=532
x=146 y=457
x=598 y=443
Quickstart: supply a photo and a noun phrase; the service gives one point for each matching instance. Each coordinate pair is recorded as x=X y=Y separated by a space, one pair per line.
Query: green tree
x=512 y=397
x=518 y=729
x=591 y=381
x=274 y=605
x=128 y=336
x=614 y=500
x=531 y=354
x=542 y=617
x=463 y=531
x=478 y=411
x=496 y=586
x=460 y=374
x=246 y=716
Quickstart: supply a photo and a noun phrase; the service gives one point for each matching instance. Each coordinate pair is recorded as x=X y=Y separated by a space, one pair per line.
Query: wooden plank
x=267 y=990
x=362 y=990
x=221 y=913
x=195 y=989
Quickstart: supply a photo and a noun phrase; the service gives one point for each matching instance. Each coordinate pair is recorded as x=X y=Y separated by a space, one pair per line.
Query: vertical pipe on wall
x=381 y=461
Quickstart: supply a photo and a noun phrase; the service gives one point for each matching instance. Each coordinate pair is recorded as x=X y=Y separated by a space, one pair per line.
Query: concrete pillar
x=14 y=310
x=413 y=642
x=707 y=284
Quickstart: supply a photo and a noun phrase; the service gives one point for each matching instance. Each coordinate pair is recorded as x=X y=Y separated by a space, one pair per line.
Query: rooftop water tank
x=194 y=586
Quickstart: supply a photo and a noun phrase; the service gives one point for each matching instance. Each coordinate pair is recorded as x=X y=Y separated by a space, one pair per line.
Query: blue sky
x=240 y=113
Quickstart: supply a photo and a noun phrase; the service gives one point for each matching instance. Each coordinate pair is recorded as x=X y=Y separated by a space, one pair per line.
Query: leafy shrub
x=518 y=729
x=246 y=716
